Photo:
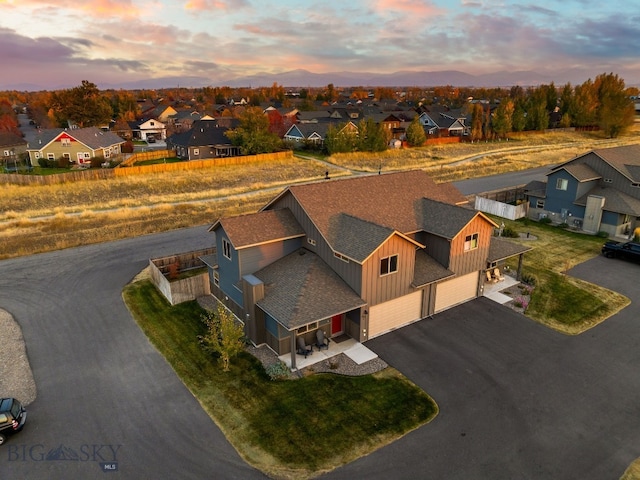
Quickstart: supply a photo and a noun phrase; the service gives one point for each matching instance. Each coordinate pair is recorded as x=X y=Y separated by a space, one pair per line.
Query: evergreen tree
x=415 y=133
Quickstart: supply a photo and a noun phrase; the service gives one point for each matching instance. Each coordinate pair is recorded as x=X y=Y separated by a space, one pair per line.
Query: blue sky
x=59 y=43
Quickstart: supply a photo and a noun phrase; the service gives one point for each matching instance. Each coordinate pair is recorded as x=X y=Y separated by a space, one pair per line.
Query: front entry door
x=336 y=325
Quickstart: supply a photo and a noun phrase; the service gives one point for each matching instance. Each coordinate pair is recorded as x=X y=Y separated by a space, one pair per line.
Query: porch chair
x=303 y=348
x=321 y=340
x=490 y=279
x=497 y=275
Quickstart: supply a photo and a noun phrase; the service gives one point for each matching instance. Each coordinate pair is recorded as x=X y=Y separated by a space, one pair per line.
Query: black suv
x=12 y=417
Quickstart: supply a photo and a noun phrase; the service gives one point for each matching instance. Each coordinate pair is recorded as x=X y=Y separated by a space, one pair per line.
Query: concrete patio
x=350 y=347
x=493 y=290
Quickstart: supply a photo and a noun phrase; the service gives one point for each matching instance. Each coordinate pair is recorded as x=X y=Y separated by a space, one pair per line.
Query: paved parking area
x=518 y=400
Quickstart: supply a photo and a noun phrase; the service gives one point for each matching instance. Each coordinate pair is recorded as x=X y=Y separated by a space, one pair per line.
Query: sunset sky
x=58 y=43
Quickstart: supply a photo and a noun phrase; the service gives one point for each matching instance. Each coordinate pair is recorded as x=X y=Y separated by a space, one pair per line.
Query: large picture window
x=471 y=242
x=389 y=265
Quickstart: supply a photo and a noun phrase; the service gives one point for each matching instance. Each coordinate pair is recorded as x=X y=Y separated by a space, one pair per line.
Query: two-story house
x=77 y=145
x=13 y=149
x=358 y=256
x=205 y=140
x=596 y=191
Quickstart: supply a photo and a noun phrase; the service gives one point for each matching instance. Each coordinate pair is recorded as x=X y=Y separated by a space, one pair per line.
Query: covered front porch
x=343 y=344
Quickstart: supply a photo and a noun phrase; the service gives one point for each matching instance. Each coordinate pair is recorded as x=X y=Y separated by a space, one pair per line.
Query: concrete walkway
x=493 y=291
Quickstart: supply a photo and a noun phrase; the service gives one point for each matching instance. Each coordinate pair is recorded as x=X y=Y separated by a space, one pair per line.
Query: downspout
x=293 y=350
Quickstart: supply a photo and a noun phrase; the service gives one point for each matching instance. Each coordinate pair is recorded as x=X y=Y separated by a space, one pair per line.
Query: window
x=562 y=183
x=107 y=153
x=635 y=184
x=37 y=154
x=471 y=242
x=311 y=241
x=539 y=203
x=608 y=180
x=65 y=142
x=226 y=248
x=6 y=153
x=216 y=278
x=51 y=156
x=389 y=265
x=341 y=257
x=196 y=151
x=87 y=155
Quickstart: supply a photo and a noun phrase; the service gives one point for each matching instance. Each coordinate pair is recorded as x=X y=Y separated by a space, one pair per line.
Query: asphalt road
x=503 y=180
x=106 y=398
x=518 y=400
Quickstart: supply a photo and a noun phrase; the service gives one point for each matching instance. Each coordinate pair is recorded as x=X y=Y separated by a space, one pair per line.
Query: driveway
x=106 y=399
x=518 y=400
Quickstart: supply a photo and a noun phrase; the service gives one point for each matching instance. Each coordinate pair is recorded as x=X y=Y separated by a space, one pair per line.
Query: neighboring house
x=357 y=257
x=315 y=132
x=444 y=124
x=143 y=129
x=596 y=191
x=77 y=146
x=206 y=139
x=13 y=149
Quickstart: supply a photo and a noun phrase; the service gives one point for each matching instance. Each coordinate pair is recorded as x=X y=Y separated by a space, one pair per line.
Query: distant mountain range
x=306 y=79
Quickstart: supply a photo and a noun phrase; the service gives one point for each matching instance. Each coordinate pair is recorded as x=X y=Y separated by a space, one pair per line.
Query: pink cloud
x=94 y=8
x=412 y=7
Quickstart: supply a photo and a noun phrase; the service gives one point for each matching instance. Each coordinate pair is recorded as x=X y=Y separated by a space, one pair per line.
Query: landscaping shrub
x=545 y=220
x=510 y=232
x=277 y=371
x=563 y=225
x=529 y=279
x=43 y=162
x=602 y=234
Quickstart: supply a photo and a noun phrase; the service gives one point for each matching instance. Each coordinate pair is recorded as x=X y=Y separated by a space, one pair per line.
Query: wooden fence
x=107 y=173
x=199 y=164
x=145 y=156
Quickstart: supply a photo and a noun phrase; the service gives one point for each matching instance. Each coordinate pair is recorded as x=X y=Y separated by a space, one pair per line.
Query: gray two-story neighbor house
x=596 y=191
x=359 y=257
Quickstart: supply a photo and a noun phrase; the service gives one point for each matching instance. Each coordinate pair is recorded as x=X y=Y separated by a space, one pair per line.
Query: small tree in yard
x=224 y=337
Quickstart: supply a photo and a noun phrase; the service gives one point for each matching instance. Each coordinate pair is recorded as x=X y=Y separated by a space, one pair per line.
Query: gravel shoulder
x=16 y=377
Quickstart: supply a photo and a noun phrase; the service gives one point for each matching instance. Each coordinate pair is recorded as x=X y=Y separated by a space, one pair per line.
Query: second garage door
x=395 y=313
x=456 y=291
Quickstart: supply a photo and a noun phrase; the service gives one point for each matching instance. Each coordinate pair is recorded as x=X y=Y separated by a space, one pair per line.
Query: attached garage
x=395 y=313
x=456 y=291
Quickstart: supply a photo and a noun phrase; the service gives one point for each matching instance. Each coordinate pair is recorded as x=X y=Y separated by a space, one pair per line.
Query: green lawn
x=286 y=428
x=559 y=301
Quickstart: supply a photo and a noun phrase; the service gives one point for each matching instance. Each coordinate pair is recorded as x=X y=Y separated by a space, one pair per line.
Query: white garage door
x=395 y=313
x=458 y=290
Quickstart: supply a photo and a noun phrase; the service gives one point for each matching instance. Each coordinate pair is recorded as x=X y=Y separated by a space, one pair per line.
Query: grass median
x=286 y=428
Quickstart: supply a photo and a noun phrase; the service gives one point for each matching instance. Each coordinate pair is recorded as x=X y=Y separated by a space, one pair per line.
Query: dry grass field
x=38 y=219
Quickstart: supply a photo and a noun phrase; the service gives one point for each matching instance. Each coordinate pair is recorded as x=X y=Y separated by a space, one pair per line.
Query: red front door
x=336 y=324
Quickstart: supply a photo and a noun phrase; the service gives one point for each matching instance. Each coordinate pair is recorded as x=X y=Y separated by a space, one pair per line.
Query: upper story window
x=562 y=184
x=635 y=184
x=389 y=265
x=470 y=242
x=65 y=142
x=608 y=180
x=341 y=257
x=226 y=248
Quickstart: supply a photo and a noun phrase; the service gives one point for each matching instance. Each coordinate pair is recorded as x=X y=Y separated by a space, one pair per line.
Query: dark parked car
x=626 y=250
x=12 y=417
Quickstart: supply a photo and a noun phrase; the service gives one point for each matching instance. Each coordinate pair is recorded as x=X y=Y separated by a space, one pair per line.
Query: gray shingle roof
x=92 y=137
x=427 y=270
x=615 y=200
x=501 y=249
x=300 y=288
x=579 y=171
x=356 y=238
x=392 y=200
x=443 y=219
x=253 y=229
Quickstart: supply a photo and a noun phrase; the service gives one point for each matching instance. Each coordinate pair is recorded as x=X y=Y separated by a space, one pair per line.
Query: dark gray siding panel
x=254 y=258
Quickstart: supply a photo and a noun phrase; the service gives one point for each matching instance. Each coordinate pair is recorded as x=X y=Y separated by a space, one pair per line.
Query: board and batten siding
x=378 y=288
x=462 y=262
x=618 y=181
x=254 y=258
